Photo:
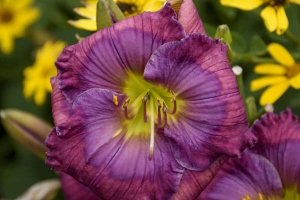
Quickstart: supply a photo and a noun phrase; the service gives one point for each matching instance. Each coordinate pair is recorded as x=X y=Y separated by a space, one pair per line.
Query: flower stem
x=289 y=36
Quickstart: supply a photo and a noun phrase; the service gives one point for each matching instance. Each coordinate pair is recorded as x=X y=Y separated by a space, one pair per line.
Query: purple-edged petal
x=73 y=190
x=92 y=147
x=249 y=175
x=60 y=106
x=279 y=141
x=212 y=121
x=102 y=59
x=194 y=182
x=189 y=18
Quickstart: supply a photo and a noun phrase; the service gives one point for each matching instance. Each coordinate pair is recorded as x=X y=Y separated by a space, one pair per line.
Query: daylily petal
x=279 y=141
x=280 y=54
x=243 y=4
x=270 y=69
x=249 y=175
x=262 y=82
x=270 y=18
x=272 y=93
x=194 y=182
x=202 y=79
x=283 y=22
x=295 y=81
x=60 y=106
x=103 y=59
x=86 y=24
x=92 y=146
x=189 y=18
x=73 y=190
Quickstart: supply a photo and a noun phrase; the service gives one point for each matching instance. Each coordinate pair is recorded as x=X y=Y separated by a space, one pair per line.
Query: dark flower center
x=293 y=71
x=277 y=2
x=6 y=16
x=127 y=8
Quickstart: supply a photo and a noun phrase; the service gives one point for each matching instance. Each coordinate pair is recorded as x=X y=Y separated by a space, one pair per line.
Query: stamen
x=173 y=100
x=165 y=109
x=125 y=105
x=144 y=100
x=158 y=111
x=152 y=130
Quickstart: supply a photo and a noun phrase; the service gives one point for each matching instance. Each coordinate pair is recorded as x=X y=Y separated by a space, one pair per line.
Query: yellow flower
x=279 y=77
x=36 y=81
x=273 y=14
x=15 y=17
x=128 y=7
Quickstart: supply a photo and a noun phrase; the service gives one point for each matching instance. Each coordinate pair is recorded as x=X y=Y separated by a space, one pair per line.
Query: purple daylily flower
x=270 y=170
x=142 y=106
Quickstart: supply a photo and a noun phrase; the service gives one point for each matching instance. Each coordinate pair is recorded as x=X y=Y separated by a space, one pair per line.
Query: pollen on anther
x=115 y=100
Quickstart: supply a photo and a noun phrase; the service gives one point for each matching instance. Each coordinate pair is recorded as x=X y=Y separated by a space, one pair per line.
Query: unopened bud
x=27 y=129
x=44 y=190
x=108 y=13
x=223 y=32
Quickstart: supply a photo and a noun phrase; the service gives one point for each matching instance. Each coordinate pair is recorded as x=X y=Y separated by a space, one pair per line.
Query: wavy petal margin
x=92 y=147
x=213 y=121
x=102 y=59
x=249 y=175
x=279 y=141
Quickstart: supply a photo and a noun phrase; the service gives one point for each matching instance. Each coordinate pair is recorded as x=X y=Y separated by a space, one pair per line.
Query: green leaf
x=257 y=46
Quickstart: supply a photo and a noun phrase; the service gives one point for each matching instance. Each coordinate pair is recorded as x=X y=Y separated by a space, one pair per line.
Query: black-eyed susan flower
x=279 y=77
x=15 y=17
x=36 y=81
x=128 y=7
x=140 y=103
x=268 y=171
x=273 y=14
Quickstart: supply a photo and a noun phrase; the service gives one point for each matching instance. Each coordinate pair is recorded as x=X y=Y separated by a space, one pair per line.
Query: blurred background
x=19 y=168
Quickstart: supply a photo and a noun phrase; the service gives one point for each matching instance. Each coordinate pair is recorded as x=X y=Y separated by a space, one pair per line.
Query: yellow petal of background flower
x=270 y=18
x=86 y=24
x=270 y=68
x=272 y=94
x=88 y=12
x=295 y=1
x=280 y=54
x=282 y=21
x=6 y=42
x=295 y=81
x=242 y=4
x=260 y=83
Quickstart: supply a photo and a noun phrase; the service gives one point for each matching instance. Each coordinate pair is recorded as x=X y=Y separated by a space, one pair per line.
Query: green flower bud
x=44 y=190
x=27 y=129
x=223 y=32
x=108 y=13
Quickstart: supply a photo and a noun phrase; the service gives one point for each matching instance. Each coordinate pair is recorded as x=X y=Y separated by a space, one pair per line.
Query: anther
x=124 y=106
x=165 y=110
x=158 y=111
x=115 y=100
x=144 y=100
x=173 y=100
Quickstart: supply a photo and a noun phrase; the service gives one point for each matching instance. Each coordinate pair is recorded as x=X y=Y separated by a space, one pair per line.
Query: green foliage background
x=19 y=169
